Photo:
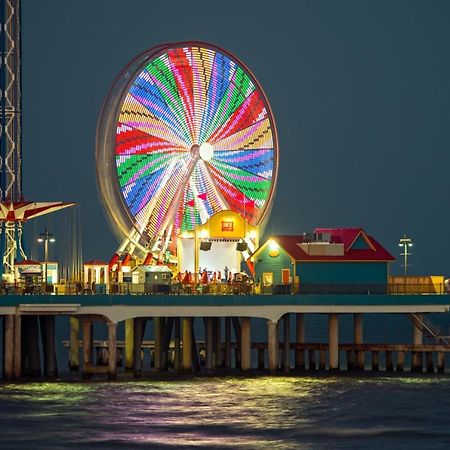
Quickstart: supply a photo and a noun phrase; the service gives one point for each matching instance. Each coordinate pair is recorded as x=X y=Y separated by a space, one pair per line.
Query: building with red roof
x=329 y=260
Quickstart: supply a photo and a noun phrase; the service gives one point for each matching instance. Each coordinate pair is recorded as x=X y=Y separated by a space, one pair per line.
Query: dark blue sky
x=360 y=92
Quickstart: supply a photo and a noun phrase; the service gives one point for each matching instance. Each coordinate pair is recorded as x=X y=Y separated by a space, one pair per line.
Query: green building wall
x=266 y=263
x=320 y=273
x=342 y=272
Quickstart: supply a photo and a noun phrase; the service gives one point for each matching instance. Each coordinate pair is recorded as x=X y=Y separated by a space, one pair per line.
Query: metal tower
x=13 y=210
x=11 y=102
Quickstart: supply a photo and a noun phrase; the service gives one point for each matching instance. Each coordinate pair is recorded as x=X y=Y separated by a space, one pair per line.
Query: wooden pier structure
x=29 y=334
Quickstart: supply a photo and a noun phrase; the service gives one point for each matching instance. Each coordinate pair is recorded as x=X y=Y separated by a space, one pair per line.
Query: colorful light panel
x=184 y=97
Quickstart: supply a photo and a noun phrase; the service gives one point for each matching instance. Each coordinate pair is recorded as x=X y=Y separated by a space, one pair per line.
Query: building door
x=285 y=275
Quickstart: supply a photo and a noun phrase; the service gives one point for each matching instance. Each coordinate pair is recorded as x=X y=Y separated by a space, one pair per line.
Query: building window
x=227 y=225
x=267 y=278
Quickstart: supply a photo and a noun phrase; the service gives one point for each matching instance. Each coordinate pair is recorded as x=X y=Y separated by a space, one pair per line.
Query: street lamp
x=46 y=237
x=406 y=243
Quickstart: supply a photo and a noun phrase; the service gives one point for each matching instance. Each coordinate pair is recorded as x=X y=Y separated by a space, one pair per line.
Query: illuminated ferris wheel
x=185 y=132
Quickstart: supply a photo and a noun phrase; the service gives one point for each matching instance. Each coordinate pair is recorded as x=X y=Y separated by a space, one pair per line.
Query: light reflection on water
x=277 y=412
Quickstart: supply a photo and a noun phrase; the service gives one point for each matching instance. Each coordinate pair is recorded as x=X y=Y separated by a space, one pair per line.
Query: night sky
x=360 y=91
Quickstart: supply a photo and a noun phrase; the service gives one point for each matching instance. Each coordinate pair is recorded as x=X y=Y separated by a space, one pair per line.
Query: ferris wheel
x=186 y=131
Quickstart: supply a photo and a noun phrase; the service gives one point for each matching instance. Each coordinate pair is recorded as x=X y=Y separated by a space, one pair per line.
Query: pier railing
x=225 y=289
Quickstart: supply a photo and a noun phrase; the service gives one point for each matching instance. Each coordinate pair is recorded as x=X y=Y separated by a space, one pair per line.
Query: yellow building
x=218 y=245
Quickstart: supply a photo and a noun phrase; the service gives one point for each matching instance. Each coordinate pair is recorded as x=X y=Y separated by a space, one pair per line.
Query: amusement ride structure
x=186 y=131
x=14 y=211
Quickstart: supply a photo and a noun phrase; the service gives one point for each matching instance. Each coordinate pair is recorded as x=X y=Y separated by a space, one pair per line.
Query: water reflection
x=277 y=412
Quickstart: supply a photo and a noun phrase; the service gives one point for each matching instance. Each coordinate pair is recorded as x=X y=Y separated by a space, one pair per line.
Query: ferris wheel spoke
x=256 y=136
x=202 y=62
x=162 y=76
x=239 y=88
x=181 y=66
x=134 y=167
x=131 y=141
x=220 y=77
x=250 y=111
x=167 y=204
x=134 y=114
x=221 y=201
x=150 y=198
x=257 y=162
x=147 y=93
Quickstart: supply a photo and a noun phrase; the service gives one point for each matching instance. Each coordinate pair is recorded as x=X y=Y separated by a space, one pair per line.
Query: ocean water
x=222 y=413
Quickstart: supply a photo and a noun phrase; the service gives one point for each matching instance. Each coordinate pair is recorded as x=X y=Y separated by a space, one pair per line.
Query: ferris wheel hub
x=195 y=151
x=206 y=151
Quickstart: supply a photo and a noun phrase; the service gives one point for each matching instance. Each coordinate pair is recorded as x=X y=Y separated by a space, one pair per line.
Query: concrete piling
x=389 y=362
x=187 y=344
x=48 y=343
x=87 y=348
x=272 y=344
x=400 y=361
x=333 y=338
x=358 y=339
x=416 y=364
x=129 y=345
x=209 y=338
x=112 y=350
x=300 y=339
x=245 y=343
x=227 y=356
x=17 y=346
x=177 y=344
x=286 y=343
x=74 y=350
x=138 y=334
x=8 y=347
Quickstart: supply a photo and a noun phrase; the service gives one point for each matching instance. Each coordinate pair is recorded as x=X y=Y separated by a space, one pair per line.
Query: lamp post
x=46 y=237
x=406 y=243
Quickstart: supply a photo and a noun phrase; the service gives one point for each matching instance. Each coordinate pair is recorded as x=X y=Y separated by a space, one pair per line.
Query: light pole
x=46 y=237
x=406 y=243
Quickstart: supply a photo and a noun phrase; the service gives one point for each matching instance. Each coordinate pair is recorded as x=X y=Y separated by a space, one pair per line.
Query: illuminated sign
x=227 y=225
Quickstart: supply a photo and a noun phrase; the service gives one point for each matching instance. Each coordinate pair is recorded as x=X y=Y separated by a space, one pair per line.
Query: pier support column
x=166 y=339
x=137 y=346
x=158 y=328
x=8 y=348
x=400 y=361
x=389 y=362
x=358 y=339
x=300 y=339
x=17 y=346
x=272 y=343
x=31 y=357
x=87 y=348
x=187 y=344
x=74 y=350
x=218 y=359
x=333 y=341
x=246 y=343
x=209 y=335
x=177 y=342
x=440 y=362
x=227 y=343
x=416 y=364
x=49 y=347
x=112 y=350
x=286 y=343
x=129 y=345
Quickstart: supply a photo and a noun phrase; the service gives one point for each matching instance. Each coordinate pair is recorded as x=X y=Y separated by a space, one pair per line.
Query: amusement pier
x=187 y=160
